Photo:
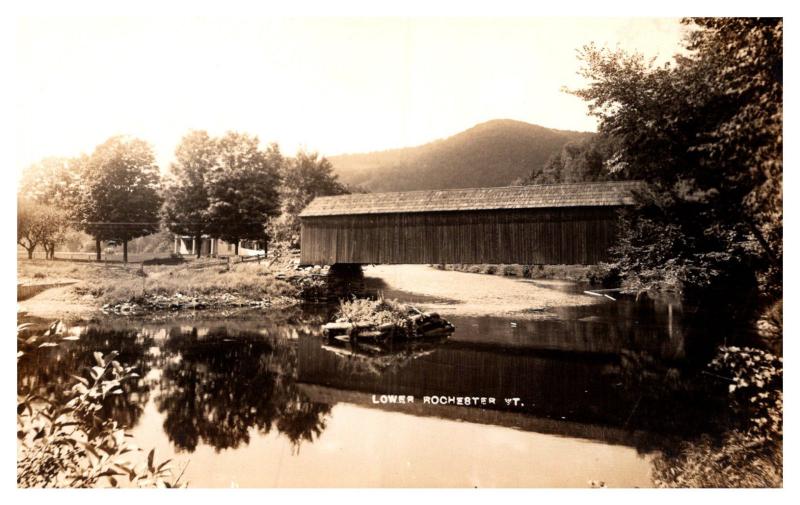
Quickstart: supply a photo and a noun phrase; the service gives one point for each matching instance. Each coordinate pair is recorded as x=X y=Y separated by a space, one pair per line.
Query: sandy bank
x=467 y=294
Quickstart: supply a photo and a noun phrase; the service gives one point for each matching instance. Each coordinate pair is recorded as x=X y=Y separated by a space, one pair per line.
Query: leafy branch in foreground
x=751 y=453
x=70 y=444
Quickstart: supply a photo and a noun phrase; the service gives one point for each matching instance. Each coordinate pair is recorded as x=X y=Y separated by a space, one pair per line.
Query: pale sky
x=333 y=85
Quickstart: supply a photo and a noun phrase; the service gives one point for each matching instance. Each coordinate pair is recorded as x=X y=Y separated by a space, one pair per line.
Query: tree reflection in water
x=48 y=372
x=216 y=387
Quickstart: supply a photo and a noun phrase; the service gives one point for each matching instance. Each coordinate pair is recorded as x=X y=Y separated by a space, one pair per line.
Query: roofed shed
x=539 y=224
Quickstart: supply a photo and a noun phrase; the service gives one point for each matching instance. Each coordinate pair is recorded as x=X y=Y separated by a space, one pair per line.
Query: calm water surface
x=594 y=394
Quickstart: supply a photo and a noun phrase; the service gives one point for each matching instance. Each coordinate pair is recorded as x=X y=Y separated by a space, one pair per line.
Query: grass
x=116 y=284
x=198 y=283
x=735 y=461
x=380 y=311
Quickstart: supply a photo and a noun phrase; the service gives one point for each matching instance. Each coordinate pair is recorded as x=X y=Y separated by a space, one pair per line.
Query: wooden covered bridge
x=569 y=224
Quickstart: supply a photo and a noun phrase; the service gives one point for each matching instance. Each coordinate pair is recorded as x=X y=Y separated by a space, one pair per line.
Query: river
x=565 y=396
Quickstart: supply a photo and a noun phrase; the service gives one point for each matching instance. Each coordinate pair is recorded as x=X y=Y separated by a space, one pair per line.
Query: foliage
x=751 y=453
x=243 y=188
x=52 y=181
x=380 y=311
x=229 y=384
x=186 y=204
x=489 y=269
x=705 y=132
x=770 y=327
x=756 y=387
x=120 y=191
x=733 y=461
x=304 y=177
x=249 y=283
x=581 y=160
x=40 y=224
x=70 y=444
x=159 y=242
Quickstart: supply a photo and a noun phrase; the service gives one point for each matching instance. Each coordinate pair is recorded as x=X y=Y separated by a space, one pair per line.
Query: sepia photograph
x=398 y=251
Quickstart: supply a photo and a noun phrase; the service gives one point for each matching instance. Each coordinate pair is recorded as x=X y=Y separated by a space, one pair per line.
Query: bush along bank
x=592 y=274
x=383 y=320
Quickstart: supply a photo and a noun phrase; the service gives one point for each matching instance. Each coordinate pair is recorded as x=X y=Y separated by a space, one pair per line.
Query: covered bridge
x=540 y=224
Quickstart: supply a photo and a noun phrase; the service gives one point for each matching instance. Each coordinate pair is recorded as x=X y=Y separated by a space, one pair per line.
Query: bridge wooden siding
x=546 y=224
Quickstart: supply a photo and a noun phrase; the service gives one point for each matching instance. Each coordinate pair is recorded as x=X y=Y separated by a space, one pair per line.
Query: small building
x=572 y=224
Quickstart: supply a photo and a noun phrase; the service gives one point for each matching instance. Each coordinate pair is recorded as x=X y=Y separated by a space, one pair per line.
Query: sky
x=332 y=85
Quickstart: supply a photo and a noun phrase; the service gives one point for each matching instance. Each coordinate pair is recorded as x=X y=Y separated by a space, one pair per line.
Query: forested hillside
x=494 y=153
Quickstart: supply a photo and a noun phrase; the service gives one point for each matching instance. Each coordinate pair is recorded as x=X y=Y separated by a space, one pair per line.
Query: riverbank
x=95 y=289
x=470 y=294
x=594 y=274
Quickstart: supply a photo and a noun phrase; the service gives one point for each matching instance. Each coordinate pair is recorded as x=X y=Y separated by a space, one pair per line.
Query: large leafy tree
x=243 y=188
x=305 y=177
x=705 y=132
x=52 y=181
x=120 y=192
x=186 y=206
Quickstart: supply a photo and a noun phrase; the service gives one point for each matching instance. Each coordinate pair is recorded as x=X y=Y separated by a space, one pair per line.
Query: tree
x=55 y=224
x=120 y=197
x=186 y=206
x=305 y=177
x=28 y=226
x=39 y=224
x=705 y=132
x=50 y=191
x=52 y=181
x=581 y=160
x=243 y=189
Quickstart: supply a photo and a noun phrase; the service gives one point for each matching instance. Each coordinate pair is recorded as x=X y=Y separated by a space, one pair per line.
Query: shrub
x=490 y=269
x=750 y=454
x=70 y=444
x=380 y=311
x=510 y=270
x=604 y=274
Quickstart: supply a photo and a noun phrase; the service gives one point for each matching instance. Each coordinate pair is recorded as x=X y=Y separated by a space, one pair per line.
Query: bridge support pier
x=345 y=280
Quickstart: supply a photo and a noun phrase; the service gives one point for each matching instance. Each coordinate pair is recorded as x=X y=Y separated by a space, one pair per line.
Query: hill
x=494 y=153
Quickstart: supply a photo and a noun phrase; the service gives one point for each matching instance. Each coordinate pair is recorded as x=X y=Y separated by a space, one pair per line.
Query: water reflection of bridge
x=516 y=420
x=592 y=396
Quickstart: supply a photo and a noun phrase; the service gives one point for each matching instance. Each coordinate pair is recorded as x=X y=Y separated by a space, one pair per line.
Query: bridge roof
x=587 y=194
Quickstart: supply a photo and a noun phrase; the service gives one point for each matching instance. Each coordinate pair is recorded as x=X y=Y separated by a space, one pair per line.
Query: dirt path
x=59 y=303
x=467 y=294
